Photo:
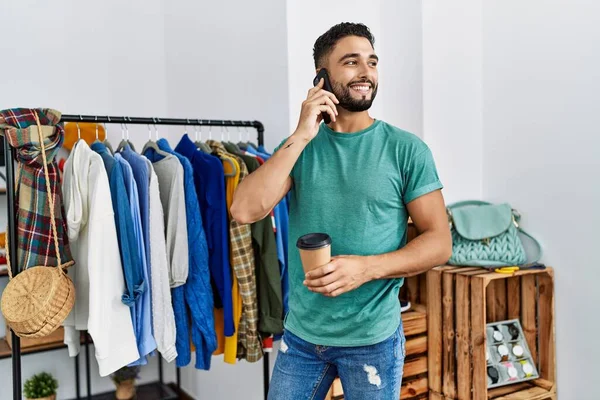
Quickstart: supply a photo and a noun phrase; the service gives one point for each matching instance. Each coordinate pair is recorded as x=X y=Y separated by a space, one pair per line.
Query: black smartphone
x=326 y=86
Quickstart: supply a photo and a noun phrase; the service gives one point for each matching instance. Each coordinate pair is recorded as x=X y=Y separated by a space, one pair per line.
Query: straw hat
x=36 y=301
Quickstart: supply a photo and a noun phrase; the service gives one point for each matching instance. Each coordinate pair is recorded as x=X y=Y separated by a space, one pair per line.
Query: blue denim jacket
x=145 y=341
x=132 y=269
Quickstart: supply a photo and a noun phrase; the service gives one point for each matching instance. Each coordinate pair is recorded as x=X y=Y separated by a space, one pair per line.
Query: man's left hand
x=341 y=275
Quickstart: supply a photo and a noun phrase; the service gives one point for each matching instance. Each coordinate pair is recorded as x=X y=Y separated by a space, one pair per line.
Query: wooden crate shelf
x=461 y=301
x=536 y=390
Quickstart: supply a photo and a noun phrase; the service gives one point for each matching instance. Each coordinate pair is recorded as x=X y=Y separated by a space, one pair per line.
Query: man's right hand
x=317 y=101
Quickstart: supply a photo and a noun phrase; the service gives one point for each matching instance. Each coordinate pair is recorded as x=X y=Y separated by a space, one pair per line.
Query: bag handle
x=50 y=202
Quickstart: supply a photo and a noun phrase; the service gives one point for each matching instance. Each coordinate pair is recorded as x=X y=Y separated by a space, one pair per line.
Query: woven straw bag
x=37 y=301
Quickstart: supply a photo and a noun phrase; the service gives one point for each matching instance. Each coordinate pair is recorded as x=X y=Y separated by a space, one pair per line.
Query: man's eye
x=373 y=64
x=351 y=63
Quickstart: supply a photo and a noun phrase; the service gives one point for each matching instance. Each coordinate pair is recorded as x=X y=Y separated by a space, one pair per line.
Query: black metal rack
x=11 y=233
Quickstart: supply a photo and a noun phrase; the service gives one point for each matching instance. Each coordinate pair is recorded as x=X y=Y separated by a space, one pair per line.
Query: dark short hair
x=327 y=41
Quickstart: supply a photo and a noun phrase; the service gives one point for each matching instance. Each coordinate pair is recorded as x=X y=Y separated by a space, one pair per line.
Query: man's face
x=352 y=67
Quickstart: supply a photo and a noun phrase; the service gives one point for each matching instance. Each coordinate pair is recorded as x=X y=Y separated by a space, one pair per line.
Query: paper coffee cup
x=315 y=250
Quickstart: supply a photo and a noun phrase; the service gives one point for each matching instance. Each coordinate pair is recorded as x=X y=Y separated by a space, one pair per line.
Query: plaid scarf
x=35 y=243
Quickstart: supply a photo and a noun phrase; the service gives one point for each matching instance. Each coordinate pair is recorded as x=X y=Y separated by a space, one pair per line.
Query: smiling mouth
x=362 y=88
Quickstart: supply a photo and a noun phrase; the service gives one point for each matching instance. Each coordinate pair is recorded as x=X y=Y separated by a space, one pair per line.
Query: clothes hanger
x=223 y=130
x=199 y=143
x=125 y=142
x=152 y=145
x=129 y=141
x=209 y=135
x=78 y=137
x=224 y=159
x=248 y=140
x=230 y=143
x=240 y=143
x=106 y=142
x=98 y=140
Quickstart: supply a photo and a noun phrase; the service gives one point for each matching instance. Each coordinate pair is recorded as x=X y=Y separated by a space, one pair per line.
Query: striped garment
x=249 y=343
x=35 y=244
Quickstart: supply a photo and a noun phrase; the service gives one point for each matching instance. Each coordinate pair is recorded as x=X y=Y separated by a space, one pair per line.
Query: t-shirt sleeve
x=421 y=177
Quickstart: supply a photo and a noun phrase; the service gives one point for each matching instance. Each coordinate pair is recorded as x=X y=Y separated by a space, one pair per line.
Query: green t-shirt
x=354 y=187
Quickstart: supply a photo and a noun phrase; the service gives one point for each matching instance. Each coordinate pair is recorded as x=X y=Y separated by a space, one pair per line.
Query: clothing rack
x=12 y=240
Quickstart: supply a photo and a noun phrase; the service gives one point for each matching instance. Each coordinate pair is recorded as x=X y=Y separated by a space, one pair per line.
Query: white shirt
x=97 y=273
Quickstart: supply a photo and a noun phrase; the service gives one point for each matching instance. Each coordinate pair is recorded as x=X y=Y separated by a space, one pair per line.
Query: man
x=357 y=179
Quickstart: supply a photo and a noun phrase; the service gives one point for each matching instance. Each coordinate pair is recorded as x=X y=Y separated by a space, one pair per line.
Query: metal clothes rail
x=11 y=233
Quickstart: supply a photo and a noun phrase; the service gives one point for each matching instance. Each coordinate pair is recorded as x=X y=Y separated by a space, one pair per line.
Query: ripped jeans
x=304 y=371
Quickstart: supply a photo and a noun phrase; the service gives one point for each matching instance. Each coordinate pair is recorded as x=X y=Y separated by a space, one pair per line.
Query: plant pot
x=125 y=390
x=52 y=397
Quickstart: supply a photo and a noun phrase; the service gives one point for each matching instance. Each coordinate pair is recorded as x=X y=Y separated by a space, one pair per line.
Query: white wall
x=226 y=60
x=81 y=57
x=401 y=67
x=147 y=58
x=541 y=152
x=396 y=26
x=452 y=92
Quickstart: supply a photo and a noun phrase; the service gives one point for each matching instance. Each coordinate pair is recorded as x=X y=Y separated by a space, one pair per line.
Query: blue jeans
x=304 y=371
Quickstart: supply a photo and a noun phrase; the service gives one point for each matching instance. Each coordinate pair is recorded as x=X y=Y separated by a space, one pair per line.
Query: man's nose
x=364 y=73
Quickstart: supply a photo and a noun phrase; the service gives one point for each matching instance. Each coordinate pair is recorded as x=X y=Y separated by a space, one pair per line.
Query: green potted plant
x=41 y=387
x=124 y=380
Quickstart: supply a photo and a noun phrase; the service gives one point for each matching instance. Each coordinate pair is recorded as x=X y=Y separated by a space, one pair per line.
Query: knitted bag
x=484 y=234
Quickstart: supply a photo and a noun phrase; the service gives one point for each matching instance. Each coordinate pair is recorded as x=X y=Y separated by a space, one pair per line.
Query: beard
x=350 y=103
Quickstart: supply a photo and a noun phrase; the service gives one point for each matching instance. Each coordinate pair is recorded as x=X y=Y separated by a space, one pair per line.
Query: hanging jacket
x=198 y=291
x=209 y=180
x=244 y=268
x=141 y=175
x=130 y=260
x=268 y=277
x=98 y=275
x=227 y=345
x=145 y=340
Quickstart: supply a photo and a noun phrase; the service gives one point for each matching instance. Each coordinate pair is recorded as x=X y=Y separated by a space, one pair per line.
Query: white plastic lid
x=503 y=350
x=528 y=368
x=517 y=350
x=498 y=336
x=512 y=372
